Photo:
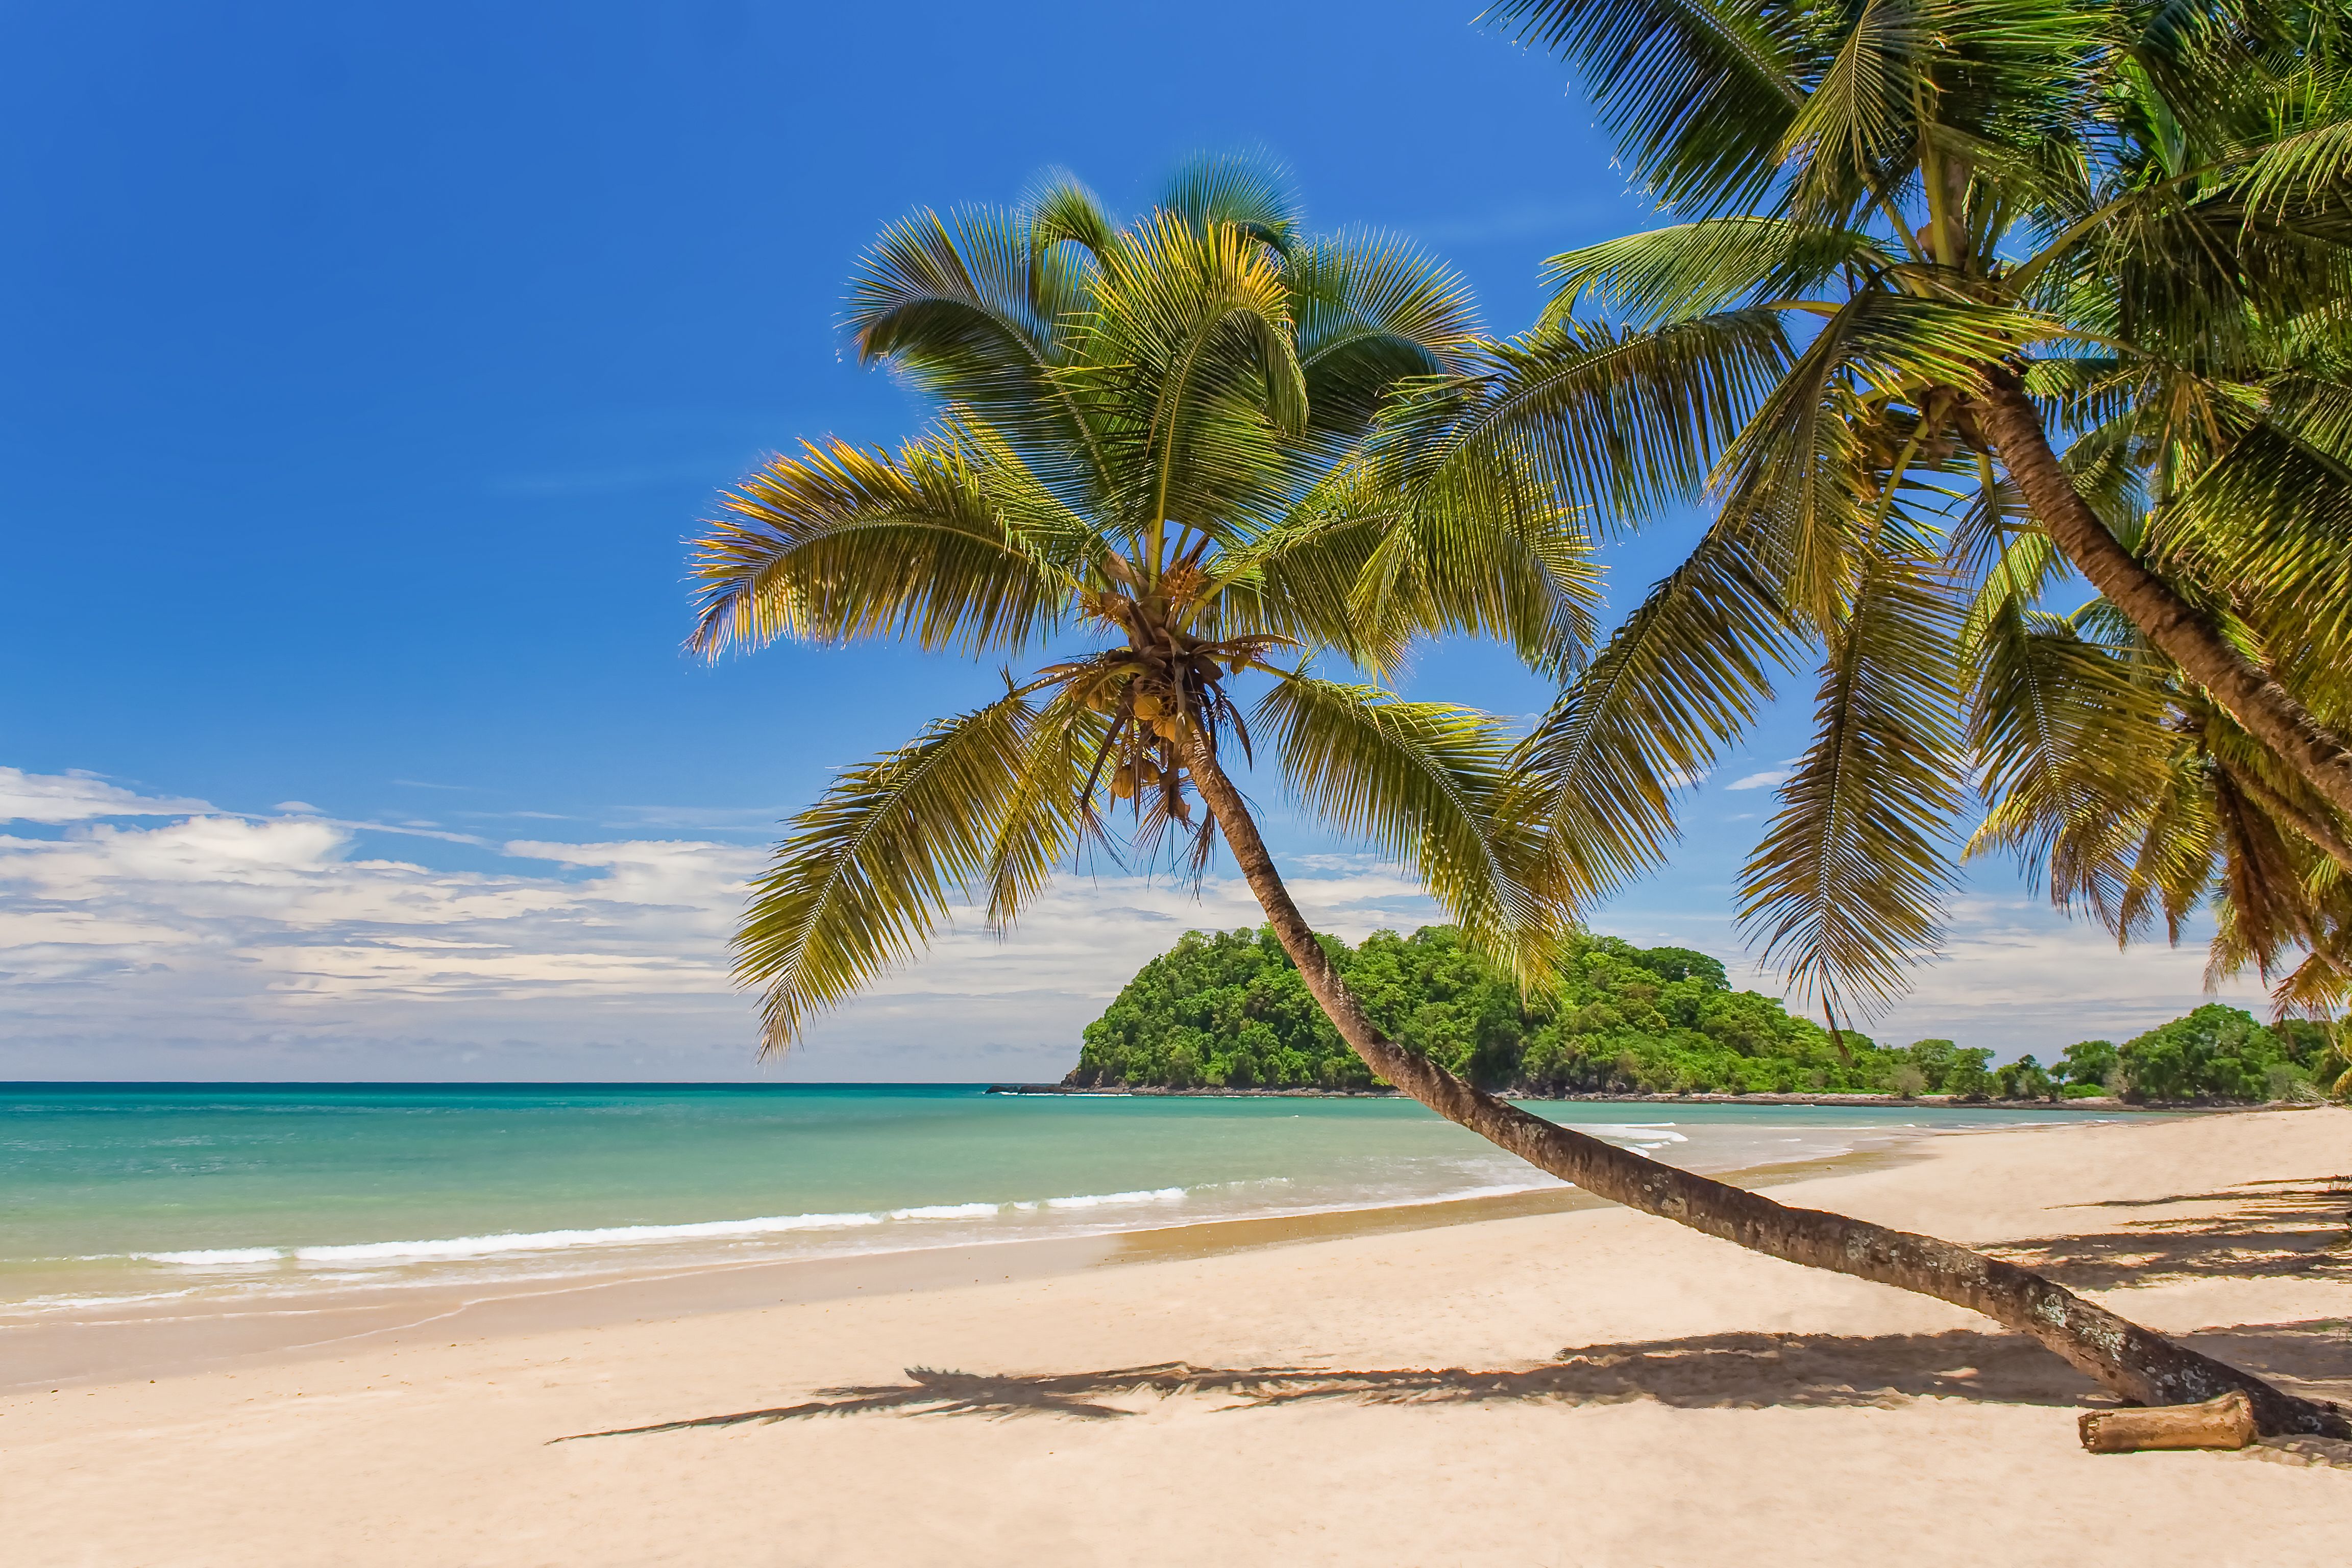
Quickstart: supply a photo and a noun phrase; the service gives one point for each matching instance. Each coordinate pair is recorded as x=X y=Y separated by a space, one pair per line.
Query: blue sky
x=365 y=368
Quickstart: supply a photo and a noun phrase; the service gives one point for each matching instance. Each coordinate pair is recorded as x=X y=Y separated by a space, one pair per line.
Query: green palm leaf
x=1681 y=679
x=1622 y=422
x=1427 y=784
x=953 y=543
x=1699 y=92
x=1699 y=268
x=1050 y=810
x=1848 y=882
x=869 y=872
x=973 y=312
x=1191 y=343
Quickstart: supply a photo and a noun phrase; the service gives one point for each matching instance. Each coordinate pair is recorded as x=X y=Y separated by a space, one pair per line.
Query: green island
x=1228 y=1010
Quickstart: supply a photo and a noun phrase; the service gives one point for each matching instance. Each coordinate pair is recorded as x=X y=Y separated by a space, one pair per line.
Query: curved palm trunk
x=2125 y=1358
x=2008 y=419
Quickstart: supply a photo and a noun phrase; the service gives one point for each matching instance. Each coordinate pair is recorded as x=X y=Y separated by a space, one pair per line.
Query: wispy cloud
x=405 y=830
x=226 y=930
x=700 y=818
x=1764 y=779
x=79 y=796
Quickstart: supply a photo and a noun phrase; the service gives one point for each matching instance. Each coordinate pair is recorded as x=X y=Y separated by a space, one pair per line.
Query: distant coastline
x=1926 y=1102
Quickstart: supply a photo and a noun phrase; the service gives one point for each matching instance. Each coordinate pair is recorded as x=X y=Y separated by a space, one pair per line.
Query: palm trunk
x=2123 y=1357
x=2006 y=418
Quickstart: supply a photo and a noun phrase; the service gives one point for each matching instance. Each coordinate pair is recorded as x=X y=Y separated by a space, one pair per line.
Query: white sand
x=421 y=1453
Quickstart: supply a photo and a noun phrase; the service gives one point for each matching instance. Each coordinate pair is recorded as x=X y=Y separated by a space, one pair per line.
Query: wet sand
x=150 y=1339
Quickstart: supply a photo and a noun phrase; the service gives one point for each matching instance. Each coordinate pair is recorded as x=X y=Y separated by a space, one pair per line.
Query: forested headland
x=1228 y=1010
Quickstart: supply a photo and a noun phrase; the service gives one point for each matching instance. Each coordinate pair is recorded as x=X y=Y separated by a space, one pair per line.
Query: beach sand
x=1725 y=1409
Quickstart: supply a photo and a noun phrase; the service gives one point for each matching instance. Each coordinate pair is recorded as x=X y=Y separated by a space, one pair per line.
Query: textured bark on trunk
x=2006 y=418
x=2125 y=1358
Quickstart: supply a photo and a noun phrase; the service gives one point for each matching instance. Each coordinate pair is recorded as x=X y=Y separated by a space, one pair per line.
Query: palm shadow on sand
x=1738 y=1370
x=2273 y=1230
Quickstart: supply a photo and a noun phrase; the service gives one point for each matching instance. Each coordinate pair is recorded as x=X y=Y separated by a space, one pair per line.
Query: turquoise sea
x=116 y=1194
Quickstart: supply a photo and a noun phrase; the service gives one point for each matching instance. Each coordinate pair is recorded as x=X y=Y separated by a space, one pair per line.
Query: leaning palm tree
x=1191 y=446
x=2007 y=289
x=2141 y=802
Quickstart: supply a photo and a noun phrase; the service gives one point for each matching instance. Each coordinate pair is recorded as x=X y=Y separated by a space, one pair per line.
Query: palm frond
x=1192 y=346
x=1807 y=466
x=1371 y=312
x=1847 y=885
x=1699 y=268
x=1678 y=681
x=2307 y=160
x=1698 y=92
x=1622 y=423
x=1478 y=546
x=869 y=872
x=1298 y=578
x=1050 y=812
x=1857 y=123
x=951 y=543
x=1251 y=194
x=2088 y=778
x=2272 y=517
x=973 y=312
x=1428 y=785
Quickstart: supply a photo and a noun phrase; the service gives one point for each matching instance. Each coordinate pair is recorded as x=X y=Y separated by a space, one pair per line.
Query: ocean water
x=116 y=1195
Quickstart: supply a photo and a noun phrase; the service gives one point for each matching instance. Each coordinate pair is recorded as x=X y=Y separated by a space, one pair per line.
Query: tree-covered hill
x=1227 y=1009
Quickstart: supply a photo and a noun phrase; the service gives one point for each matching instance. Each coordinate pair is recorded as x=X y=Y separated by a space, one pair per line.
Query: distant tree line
x=1227 y=1009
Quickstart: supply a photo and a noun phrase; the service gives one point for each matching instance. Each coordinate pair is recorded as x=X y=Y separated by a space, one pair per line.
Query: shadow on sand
x=1742 y=1371
x=2270 y=1230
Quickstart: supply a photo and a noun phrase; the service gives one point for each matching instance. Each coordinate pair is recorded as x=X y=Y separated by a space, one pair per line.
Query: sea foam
x=460 y=1247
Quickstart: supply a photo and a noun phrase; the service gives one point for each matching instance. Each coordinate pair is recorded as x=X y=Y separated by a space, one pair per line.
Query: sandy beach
x=1581 y=1387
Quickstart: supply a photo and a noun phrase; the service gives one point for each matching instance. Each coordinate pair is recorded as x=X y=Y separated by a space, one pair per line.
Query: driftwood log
x=2226 y=1422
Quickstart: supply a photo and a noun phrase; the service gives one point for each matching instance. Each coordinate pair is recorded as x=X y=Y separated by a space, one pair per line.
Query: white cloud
x=2019 y=976
x=1764 y=779
x=2014 y=974
x=220 y=944
x=77 y=796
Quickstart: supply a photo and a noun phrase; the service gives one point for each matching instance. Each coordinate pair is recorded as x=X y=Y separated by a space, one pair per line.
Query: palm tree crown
x=1169 y=442
x=1965 y=296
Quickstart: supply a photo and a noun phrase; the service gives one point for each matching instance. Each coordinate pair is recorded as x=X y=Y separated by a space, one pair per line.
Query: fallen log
x=2226 y=1422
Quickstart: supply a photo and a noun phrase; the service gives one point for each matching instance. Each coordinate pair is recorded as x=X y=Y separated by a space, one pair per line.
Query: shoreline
x=77 y=1350
x=2103 y=1103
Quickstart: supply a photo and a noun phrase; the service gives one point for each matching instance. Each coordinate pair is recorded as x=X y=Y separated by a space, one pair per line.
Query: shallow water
x=122 y=1195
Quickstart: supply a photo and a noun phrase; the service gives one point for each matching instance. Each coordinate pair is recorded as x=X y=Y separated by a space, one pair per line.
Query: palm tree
x=1192 y=445
x=1965 y=296
x=2141 y=801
